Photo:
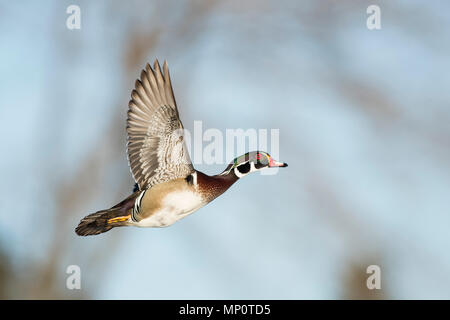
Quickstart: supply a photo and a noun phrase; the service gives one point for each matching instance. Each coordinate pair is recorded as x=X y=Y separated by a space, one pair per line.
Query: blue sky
x=363 y=118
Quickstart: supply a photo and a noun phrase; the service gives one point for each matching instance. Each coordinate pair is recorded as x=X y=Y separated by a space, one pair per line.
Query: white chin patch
x=240 y=175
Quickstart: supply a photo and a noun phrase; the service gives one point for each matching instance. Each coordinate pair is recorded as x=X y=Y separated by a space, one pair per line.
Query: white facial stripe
x=226 y=172
x=252 y=169
x=238 y=174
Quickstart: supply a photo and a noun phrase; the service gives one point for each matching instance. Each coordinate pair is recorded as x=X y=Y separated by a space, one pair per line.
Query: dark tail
x=105 y=220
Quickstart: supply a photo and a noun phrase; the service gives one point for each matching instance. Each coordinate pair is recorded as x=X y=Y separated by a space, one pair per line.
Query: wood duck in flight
x=168 y=187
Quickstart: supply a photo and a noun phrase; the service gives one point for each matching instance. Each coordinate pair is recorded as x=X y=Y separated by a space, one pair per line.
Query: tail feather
x=99 y=222
x=104 y=220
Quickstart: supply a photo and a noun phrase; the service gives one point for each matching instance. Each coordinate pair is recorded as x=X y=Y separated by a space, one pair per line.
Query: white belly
x=175 y=206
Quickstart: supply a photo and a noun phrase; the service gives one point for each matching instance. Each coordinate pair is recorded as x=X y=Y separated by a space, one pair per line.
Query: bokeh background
x=364 y=125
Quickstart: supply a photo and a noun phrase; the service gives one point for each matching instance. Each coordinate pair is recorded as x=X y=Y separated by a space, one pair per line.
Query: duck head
x=252 y=162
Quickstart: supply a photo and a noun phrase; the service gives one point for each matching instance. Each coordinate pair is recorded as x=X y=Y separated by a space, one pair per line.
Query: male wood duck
x=168 y=187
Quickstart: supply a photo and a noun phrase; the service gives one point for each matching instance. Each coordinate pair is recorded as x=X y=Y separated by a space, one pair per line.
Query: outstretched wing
x=156 y=149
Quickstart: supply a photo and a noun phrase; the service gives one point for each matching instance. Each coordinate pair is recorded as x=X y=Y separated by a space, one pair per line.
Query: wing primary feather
x=147 y=87
x=155 y=154
x=153 y=84
x=160 y=81
x=142 y=93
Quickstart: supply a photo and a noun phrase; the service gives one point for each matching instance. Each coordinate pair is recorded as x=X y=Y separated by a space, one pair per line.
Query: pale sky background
x=364 y=126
